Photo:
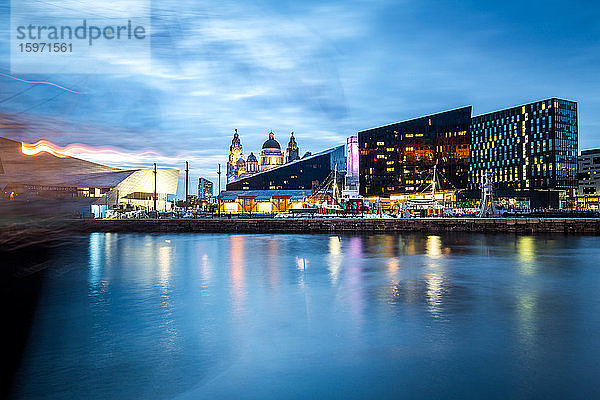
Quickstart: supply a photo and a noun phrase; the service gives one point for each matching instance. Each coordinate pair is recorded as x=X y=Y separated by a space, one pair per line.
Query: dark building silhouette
x=292 y=151
x=531 y=151
x=399 y=158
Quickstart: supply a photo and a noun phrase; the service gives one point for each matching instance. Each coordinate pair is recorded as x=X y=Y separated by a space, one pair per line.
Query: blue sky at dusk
x=321 y=69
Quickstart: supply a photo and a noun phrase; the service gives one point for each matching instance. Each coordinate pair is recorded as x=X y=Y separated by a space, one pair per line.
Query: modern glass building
x=304 y=174
x=205 y=189
x=399 y=158
x=531 y=149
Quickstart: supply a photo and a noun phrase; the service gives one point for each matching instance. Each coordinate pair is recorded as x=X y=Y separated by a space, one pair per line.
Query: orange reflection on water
x=236 y=270
x=435 y=280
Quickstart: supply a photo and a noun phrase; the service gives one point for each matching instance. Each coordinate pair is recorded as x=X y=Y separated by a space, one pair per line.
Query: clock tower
x=235 y=153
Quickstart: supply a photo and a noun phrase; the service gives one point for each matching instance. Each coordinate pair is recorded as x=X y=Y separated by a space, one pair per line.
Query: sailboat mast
x=335 y=196
x=433 y=182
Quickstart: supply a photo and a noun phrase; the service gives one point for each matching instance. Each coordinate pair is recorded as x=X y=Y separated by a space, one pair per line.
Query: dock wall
x=348 y=225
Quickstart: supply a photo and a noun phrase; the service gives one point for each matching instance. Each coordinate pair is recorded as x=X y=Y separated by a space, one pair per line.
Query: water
x=317 y=316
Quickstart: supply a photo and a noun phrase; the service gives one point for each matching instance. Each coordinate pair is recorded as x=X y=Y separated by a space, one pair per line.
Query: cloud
x=322 y=69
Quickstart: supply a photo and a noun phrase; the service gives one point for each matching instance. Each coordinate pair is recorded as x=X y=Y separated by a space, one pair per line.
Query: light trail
x=41 y=83
x=105 y=155
x=77 y=149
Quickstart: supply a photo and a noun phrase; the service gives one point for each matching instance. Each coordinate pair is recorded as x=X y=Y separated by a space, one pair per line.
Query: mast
x=433 y=182
x=335 y=196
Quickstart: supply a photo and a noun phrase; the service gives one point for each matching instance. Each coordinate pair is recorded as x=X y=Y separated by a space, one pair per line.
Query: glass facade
x=399 y=158
x=529 y=148
x=205 y=189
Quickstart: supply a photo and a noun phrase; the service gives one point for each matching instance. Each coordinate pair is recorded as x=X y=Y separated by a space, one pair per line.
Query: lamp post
x=187 y=170
x=219 y=194
x=155 y=209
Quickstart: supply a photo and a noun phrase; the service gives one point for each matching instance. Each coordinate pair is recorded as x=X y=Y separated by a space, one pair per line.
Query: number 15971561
x=46 y=47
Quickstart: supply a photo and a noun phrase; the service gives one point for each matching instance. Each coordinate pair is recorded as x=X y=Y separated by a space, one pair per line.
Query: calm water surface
x=317 y=316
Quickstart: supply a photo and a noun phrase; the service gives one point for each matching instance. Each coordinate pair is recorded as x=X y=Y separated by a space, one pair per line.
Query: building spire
x=292 y=152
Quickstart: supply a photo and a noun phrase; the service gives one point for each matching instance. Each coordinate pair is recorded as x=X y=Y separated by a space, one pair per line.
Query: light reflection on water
x=270 y=316
x=335 y=258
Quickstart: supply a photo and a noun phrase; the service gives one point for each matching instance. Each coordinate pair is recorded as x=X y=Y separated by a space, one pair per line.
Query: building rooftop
x=264 y=194
x=590 y=151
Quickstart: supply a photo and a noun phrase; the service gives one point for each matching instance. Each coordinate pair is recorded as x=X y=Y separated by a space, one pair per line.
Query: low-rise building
x=262 y=201
x=589 y=173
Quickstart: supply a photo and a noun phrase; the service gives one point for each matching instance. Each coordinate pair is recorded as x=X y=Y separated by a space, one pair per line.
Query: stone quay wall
x=582 y=226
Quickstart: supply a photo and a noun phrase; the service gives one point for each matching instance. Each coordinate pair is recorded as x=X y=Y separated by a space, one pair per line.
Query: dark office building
x=589 y=173
x=306 y=173
x=399 y=158
x=532 y=150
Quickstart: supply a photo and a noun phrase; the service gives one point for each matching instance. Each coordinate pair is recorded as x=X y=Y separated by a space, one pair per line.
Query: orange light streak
x=42 y=146
x=76 y=149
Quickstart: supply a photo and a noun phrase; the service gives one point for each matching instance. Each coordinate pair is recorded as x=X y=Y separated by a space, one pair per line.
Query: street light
x=155 y=188
x=219 y=194
x=187 y=170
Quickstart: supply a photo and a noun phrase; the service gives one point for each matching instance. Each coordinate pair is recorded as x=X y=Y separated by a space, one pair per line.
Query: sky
x=324 y=70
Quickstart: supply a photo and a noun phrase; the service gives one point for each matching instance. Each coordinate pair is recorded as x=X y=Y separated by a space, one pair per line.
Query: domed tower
x=235 y=153
x=292 y=151
x=270 y=155
x=251 y=164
